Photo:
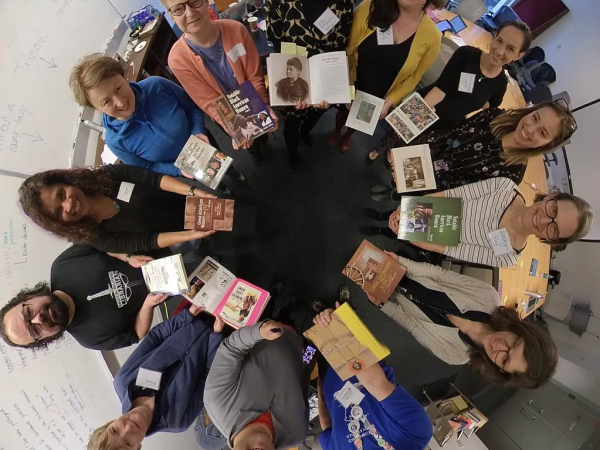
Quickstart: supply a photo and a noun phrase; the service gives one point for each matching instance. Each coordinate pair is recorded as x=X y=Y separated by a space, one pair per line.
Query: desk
x=514 y=281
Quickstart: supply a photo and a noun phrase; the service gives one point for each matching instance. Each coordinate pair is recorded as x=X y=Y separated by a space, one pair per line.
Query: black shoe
x=382 y=197
x=370 y=231
x=307 y=140
x=317 y=305
x=293 y=163
x=343 y=294
x=224 y=189
x=372 y=214
x=380 y=189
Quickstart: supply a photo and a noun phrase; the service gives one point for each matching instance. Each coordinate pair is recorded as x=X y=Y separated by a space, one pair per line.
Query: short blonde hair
x=100 y=438
x=89 y=72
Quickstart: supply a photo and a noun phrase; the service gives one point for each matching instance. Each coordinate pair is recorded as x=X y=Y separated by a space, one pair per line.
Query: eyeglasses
x=552 y=228
x=562 y=104
x=34 y=329
x=501 y=359
x=179 y=8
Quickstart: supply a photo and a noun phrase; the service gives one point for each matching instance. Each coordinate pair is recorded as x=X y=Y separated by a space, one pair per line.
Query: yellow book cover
x=346 y=343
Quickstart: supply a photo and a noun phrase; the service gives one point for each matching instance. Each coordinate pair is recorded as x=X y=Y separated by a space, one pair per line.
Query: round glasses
x=552 y=227
x=179 y=8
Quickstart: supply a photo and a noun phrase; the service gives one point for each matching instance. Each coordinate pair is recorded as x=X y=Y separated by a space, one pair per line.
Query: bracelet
x=129 y=255
x=191 y=191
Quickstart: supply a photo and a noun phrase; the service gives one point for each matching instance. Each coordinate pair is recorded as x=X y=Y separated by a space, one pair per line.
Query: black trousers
x=232 y=171
x=294 y=127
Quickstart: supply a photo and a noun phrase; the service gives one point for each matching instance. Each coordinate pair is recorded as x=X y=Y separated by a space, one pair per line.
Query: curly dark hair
x=540 y=352
x=92 y=182
x=42 y=289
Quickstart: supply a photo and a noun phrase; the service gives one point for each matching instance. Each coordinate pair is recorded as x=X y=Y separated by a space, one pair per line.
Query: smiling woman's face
x=537 y=128
x=114 y=97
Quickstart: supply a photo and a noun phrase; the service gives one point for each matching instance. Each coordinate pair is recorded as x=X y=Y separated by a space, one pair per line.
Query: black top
x=149 y=212
x=456 y=105
x=108 y=294
x=379 y=64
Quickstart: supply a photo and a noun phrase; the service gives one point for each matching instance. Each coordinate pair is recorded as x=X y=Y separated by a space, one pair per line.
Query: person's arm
x=358 y=30
x=192 y=112
x=480 y=188
x=143 y=320
x=136 y=261
x=472 y=253
x=374 y=380
x=123 y=242
x=430 y=247
x=152 y=166
x=496 y=100
x=448 y=80
x=434 y=96
x=175 y=186
x=324 y=417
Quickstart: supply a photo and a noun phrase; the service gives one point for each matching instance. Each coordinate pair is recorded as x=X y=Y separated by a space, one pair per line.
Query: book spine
x=223 y=118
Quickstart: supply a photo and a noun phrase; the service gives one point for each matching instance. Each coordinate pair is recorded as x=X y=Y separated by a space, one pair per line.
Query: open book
x=365 y=112
x=346 y=343
x=411 y=117
x=430 y=219
x=207 y=214
x=374 y=271
x=166 y=275
x=294 y=78
x=202 y=161
x=413 y=168
x=238 y=302
x=244 y=114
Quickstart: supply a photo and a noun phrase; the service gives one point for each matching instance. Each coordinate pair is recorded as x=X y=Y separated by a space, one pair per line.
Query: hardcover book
x=166 y=275
x=238 y=302
x=295 y=78
x=364 y=113
x=412 y=117
x=244 y=114
x=202 y=161
x=430 y=219
x=374 y=271
x=413 y=169
x=346 y=343
x=207 y=214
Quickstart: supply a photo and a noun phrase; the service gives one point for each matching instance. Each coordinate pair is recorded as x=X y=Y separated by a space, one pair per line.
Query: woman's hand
x=219 y=325
x=271 y=330
x=275 y=119
x=186 y=175
x=372 y=299
x=203 y=194
x=203 y=137
x=155 y=299
x=195 y=234
x=324 y=317
x=386 y=107
x=304 y=105
x=195 y=310
x=138 y=261
x=246 y=145
x=392 y=255
x=394 y=221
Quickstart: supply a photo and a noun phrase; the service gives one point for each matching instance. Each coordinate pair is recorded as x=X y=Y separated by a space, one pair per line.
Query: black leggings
x=294 y=127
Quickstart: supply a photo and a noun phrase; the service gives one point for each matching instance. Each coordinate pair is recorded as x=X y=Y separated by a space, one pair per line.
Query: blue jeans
x=208 y=436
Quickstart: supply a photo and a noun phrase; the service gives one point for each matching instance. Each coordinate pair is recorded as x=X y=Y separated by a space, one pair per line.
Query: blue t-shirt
x=215 y=60
x=399 y=418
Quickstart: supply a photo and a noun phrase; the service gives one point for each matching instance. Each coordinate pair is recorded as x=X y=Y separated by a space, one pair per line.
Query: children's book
x=294 y=78
x=374 y=271
x=430 y=219
x=413 y=168
x=412 y=117
x=202 y=161
x=365 y=112
x=207 y=214
x=244 y=114
x=166 y=275
x=346 y=343
x=238 y=302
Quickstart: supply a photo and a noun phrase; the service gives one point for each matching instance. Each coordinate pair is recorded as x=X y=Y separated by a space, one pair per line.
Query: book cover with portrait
x=413 y=169
x=202 y=161
x=244 y=114
x=430 y=219
x=243 y=304
x=207 y=214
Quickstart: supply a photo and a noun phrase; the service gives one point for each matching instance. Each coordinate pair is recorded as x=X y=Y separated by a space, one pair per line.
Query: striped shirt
x=483 y=205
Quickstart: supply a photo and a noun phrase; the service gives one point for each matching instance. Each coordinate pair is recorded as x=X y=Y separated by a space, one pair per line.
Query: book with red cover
x=207 y=214
x=374 y=271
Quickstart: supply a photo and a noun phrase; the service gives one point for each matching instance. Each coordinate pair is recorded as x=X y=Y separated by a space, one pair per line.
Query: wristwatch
x=129 y=255
x=191 y=191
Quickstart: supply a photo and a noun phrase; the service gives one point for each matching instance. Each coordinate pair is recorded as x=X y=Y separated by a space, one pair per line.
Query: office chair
x=481 y=272
x=433 y=73
x=505 y=14
x=471 y=10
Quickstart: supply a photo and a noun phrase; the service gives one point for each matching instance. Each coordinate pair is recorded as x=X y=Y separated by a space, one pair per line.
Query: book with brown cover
x=207 y=214
x=374 y=271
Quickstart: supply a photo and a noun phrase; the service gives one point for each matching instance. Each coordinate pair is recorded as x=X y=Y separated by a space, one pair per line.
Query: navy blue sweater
x=184 y=345
x=163 y=120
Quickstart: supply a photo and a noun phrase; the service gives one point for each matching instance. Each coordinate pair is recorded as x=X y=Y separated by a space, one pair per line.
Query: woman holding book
x=115 y=208
x=460 y=320
x=294 y=21
x=213 y=58
x=496 y=204
x=146 y=124
x=392 y=43
x=492 y=143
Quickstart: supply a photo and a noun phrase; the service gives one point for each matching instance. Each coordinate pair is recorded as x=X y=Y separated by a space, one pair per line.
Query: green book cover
x=430 y=219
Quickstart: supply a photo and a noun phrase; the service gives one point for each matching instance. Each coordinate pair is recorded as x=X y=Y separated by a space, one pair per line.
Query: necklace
x=356 y=417
x=115 y=205
x=481 y=78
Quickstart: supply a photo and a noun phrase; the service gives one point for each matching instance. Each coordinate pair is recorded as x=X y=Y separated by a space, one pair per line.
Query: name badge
x=327 y=21
x=385 y=37
x=236 y=52
x=467 y=82
x=125 y=191
x=500 y=241
x=349 y=395
x=148 y=379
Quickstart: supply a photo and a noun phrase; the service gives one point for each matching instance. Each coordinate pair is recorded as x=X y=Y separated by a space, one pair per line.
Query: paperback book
x=204 y=162
x=208 y=214
x=244 y=114
x=430 y=219
x=413 y=168
x=374 y=271
x=294 y=78
x=412 y=117
x=238 y=302
x=166 y=275
x=346 y=343
x=364 y=113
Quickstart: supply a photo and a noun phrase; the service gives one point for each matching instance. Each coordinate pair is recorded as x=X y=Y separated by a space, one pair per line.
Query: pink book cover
x=243 y=304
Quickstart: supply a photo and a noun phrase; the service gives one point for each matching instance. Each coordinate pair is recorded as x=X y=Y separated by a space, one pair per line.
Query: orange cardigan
x=197 y=80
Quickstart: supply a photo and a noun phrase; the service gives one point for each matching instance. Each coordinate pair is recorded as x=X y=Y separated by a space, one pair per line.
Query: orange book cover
x=207 y=214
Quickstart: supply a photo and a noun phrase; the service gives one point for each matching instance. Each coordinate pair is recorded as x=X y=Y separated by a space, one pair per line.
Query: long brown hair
x=540 y=352
x=92 y=182
x=507 y=123
x=383 y=13
x=585 y=217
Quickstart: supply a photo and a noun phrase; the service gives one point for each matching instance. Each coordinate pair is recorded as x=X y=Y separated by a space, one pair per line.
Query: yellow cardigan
x=423 y=52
